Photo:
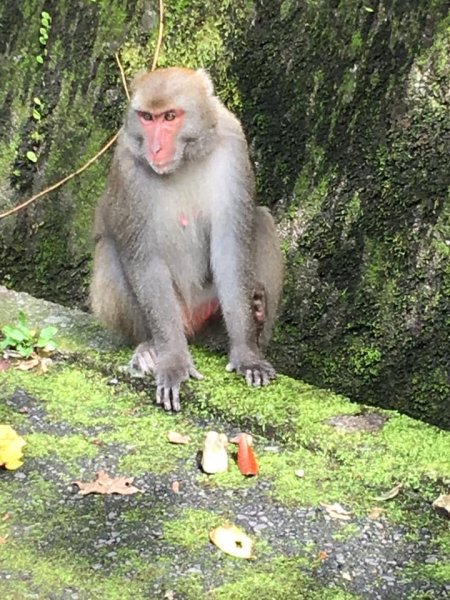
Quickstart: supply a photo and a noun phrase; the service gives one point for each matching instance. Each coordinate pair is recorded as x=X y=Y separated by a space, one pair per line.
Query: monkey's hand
x=170 y=372
x=255 y=369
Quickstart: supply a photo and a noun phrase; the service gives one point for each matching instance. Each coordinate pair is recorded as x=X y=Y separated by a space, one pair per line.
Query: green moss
x=356 y=41
x=145 y=438
x=55 y=573
x=67 y=533
x=8 y=151
x=84 y=399
x=353 y=212
x=191 y=529
x=190 y=587
x=11 y=416
x=310 y=196
x=73 y=396
x=352 y=469
x=356 y=468
x=227 y=394
x=66 y=448
x=420 y=572
x=348 y=86
x=231 y=480
x=44 y=493
x=346 y=532
x=315 y=487
x=284 y=578
x=365 y=361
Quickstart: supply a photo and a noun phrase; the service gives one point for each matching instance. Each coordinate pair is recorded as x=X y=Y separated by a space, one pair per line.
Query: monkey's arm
x=152 y=286
x=233 y=268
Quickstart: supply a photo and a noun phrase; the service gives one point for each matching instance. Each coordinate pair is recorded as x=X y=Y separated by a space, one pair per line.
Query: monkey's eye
x=146 y=116
x=169 y=115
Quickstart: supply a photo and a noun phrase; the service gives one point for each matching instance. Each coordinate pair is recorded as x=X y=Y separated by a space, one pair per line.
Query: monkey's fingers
x=172 y=398
x=195 y=374
x=253 y=377
x=169 y=397
x=159 y=394
x=143 y=360
x=267 y=377
x=256 y=375
x=258 y=378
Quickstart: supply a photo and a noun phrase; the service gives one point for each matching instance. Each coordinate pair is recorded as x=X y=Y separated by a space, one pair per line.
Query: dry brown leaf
x=442 y=505
x=376 y=513
x=44 y=364
x=391 y=494
x=178 y=438
x=232 y=540
x=337 y=511
x=27 y=365
x=96 y=442
x=130 y=411
x=3 y=539
x=176 y=487
x=6 y=516
x=215 y=457
x=323 y=555
x=104 y=484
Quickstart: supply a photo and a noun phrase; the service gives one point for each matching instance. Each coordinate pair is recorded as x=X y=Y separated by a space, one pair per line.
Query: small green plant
x=35 y=136
x=44 y=29
x=37 y=109
x=31 y=156
x=23 y=340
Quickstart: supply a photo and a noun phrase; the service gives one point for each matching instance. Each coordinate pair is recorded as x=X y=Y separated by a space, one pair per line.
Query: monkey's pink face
x=160 y=138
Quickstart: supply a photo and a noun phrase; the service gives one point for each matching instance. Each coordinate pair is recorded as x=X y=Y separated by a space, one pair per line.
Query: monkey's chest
x=185 y=242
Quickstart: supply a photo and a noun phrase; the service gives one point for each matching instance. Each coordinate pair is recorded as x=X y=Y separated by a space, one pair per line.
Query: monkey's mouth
x=163 y=168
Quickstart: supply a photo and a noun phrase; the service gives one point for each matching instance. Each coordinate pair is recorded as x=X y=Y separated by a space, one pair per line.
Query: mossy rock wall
x=346 y=106
x=62 y=99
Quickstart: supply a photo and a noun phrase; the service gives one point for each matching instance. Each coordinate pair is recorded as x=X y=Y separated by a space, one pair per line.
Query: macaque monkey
x=179 y=240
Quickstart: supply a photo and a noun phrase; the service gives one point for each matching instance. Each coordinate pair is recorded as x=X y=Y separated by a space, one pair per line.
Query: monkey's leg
x=112 y=300
x=268 y=275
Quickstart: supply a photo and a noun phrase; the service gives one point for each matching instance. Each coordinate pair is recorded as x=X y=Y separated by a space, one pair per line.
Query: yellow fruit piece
x=215 y=457
x=232 y=540
x=11 y=445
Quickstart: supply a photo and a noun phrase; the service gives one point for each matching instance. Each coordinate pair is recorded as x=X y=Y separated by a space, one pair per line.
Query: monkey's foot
x=143 y=360
x=257 y=372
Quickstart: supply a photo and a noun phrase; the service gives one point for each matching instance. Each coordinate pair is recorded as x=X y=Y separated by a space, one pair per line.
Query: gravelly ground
x=370 y=563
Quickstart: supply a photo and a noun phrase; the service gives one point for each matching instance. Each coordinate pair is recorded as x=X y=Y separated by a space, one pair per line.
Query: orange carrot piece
x=246 y=458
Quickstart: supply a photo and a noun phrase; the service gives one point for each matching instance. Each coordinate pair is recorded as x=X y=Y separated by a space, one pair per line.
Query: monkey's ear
x=207 y=81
